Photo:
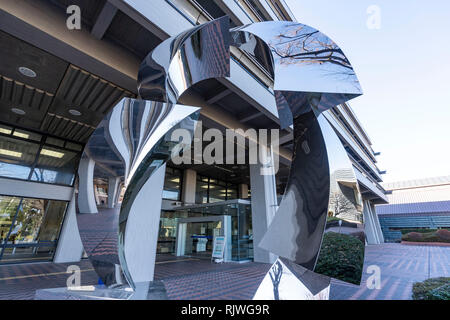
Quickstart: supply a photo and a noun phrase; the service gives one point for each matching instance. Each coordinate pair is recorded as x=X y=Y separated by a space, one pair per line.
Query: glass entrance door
x=200 y=236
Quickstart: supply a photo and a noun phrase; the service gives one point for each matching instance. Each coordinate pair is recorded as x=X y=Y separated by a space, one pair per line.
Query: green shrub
x=435 y=236
x=422 y=230
x=412 y=236
x=432 y=289
x=443 y=234
x=341 y=257
x=440 y=293
x=329 y=219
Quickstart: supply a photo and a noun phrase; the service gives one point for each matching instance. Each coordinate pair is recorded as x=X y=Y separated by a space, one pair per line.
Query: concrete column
x=143 y=220
x=189 y=184
x=264 y=206
x=181 y=239
x=86 y=194
x=377 y=223
x=243 y=191
x=70 y=247
x=113 y=190
x=372 y=225
x=227 y=257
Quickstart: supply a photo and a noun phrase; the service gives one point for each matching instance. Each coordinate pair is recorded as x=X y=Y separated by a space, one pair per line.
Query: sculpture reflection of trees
x=302 y=45
x=339 y=204
x=275 y=275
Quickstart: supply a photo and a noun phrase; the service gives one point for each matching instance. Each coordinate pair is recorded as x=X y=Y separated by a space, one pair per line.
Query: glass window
x=55 y=166
x=172 y=183
x=33 y=228
x=8 y=210
x=217 y=193
x=16 y=157
x=168 y=231
x=232 y=192
x=210 y=190
x=201 y=190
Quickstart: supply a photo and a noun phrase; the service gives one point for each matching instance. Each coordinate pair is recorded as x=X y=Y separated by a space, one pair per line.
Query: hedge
x=422 y=230
x=441 y=235
x=341 y=257
x=432 y=289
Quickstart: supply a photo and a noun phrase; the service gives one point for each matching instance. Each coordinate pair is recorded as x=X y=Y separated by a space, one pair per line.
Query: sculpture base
x=154 y=290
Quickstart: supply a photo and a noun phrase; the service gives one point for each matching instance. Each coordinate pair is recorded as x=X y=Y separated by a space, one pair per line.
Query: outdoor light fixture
x=75 y=112
x=27 y=72
x=18 y=111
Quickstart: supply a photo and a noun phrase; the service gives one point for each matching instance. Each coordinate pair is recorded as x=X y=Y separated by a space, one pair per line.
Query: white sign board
x=218 y=247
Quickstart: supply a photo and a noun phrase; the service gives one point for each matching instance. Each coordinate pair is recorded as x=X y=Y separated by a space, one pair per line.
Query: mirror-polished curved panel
x=342 y=251
x=130 y=144
x=307 y=66
x=311 y=75
x=322 y=195
x=182 y=61
x=134 y=140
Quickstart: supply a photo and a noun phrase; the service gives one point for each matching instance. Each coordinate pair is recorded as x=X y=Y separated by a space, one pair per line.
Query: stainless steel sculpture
x=132 y=142
x=311 y=75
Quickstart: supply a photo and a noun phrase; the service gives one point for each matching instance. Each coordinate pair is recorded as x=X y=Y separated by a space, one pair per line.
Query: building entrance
x=200 y=236
x=231 y=219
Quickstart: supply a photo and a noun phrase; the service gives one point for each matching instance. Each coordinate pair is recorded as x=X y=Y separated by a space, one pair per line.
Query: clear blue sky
x=404 y=70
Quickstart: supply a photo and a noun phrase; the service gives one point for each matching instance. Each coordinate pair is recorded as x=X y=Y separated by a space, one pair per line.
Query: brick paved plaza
x=187 y=278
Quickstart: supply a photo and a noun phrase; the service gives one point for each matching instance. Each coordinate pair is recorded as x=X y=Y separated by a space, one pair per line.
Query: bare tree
x=340 y=204
x=303 y=45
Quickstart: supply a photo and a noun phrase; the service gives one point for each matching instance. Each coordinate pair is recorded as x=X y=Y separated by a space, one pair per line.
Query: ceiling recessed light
x=21 y=135
x=11 y=153
x=5 y=130
x=75 y=112
x=51 y=153
x=18 y=111
x=27 y=72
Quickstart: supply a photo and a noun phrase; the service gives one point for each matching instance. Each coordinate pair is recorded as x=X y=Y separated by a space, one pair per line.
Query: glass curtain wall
x=29 y=228
x=172 y=184
x=30 y=156
x=209 y=190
